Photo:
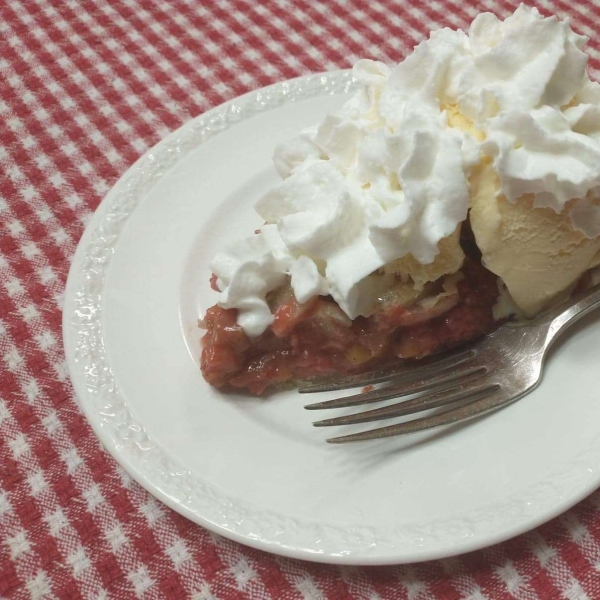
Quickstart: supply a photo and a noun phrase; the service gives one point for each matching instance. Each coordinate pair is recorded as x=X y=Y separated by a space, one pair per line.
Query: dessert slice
x=469 y=170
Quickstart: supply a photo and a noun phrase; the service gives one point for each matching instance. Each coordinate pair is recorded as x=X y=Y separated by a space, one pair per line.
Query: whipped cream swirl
x=388 y=174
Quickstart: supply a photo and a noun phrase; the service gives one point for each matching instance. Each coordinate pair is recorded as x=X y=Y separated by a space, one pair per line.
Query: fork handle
x=564 y=315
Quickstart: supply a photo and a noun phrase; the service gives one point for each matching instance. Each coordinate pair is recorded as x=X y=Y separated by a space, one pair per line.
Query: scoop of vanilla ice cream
x=537 y=252
x=534 y=197
x=503 y=121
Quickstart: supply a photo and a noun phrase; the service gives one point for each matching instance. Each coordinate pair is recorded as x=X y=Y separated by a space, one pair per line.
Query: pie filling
x=316 y=339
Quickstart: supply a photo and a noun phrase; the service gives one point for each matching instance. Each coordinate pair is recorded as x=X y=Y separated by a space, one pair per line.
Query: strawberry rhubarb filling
x=316 y=339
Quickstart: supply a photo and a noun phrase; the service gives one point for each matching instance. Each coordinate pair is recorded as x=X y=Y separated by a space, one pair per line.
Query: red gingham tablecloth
x=86 y=86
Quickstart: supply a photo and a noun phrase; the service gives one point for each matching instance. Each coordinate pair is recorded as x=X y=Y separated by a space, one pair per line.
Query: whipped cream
x=387 y=176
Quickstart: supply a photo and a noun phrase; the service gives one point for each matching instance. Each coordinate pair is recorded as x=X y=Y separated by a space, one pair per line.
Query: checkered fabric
x=86 y=86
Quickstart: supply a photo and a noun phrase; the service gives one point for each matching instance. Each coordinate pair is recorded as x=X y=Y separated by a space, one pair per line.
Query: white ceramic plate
x=255 y=470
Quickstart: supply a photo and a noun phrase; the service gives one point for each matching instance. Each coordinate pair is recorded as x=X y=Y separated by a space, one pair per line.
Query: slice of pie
x=456 y=189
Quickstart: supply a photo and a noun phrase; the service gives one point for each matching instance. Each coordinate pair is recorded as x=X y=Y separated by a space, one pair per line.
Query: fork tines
x=481 y=401
x=449 y=380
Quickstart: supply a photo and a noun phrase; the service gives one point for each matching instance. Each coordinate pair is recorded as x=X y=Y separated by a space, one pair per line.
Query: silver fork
x=499 y=369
